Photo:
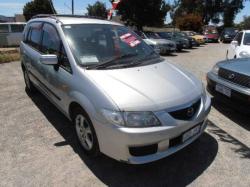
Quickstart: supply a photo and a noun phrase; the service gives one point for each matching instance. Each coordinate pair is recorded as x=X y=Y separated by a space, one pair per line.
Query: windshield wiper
x=111 y=61
x=135 y=62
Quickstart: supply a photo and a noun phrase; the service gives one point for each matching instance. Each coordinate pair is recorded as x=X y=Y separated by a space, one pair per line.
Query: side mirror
x=49 y=59
x=235 y=43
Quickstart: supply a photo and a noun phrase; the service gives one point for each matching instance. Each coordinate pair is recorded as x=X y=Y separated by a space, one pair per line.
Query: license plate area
x=223 y=90
x=191 y=133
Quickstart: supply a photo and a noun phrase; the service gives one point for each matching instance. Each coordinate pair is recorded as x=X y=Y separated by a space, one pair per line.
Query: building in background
x=16 y=18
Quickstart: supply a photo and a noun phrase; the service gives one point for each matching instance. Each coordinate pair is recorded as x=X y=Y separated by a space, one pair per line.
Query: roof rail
x=54 y=16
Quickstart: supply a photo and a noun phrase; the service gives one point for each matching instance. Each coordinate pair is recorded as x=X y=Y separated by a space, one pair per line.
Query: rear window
x=17 y=28
x=4 y=28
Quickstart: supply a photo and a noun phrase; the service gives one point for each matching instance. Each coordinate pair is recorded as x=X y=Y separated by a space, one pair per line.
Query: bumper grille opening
x=186 y=113
x=143 y=150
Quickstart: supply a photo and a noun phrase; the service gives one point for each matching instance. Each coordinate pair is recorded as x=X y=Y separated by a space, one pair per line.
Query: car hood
x=239 y=65
x=147 y=88
x=161 y=41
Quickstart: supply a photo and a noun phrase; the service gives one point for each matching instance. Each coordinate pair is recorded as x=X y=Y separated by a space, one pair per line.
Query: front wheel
x=86 y=133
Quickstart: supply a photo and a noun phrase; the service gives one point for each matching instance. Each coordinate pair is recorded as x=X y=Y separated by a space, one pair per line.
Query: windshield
x=231 y=31
x=152 y=35
x=97 y=44
x=246 y=39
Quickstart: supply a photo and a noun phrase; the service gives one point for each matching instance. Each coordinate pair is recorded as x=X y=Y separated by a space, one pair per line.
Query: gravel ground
x=38 y=145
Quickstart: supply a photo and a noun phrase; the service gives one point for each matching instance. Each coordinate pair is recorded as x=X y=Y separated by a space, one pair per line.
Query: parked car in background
x=231 y=79
x=166 y=46
x=228 y=34
x=180 y=42
x=240 y=46
x=188 y=40
x=211 y=34
x=193 y=41
x=197 y=37
x=11 y=33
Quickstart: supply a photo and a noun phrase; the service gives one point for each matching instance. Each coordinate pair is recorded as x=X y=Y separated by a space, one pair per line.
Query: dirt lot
x=38 y=146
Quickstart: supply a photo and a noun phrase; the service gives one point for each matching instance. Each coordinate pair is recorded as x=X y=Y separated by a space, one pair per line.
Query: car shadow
x=179 y=169
x=169 y=55
x=237 y=113
x=183 y=51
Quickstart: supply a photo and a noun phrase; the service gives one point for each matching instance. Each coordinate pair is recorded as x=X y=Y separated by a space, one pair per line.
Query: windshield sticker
x=89 y=59
x=129 y=39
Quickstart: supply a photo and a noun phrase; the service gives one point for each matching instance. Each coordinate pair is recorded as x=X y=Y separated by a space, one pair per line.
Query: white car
x=240 y=46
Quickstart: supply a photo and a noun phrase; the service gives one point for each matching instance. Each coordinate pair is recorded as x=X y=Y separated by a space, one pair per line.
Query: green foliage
x=189 y=22
x=245 y=24
x=143 y=13
x=98 y=9
x=209 y=10
x=38 y=7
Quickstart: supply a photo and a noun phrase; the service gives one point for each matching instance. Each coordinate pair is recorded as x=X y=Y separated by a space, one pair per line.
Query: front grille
x=234 y=77
x=186 y=113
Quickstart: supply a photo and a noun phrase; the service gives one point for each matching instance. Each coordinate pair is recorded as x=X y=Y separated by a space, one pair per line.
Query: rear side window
x=17 y=28
x=246 y=39
x=34 y=36
x=4 y=28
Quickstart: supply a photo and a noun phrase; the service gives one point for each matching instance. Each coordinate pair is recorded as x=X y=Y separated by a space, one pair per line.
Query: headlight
x=141 y=119
x=113 y=117
x=131 y=119
x=215 y=69
x=244 y=54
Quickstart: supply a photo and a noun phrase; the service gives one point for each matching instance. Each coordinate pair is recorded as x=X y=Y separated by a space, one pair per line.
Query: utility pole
x=72 y=6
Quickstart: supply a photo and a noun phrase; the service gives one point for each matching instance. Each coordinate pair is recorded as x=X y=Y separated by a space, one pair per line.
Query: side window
x=34 y=36
x=51 y=44
x=17 y=27
x=4 y=28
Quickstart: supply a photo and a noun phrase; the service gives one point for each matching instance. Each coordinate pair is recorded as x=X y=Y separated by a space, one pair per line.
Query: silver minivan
x=123 y=98
x=11 y=33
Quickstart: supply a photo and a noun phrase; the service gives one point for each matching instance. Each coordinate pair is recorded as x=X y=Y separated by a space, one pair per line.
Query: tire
x=85 y=132
x=29 y=85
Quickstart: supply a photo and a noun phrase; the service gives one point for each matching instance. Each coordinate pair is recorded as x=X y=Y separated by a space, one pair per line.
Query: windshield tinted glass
x=246 y=39
x=152 y=35
x=94 y=44
x=230 y=31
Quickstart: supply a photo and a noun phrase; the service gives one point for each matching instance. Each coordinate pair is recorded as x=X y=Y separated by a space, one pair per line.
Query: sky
x=11 y=7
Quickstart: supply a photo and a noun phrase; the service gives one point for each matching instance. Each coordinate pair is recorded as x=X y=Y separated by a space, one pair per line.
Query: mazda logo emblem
x=190 y=112
x=231 y=76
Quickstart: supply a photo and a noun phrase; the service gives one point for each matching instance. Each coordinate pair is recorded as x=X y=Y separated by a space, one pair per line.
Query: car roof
x=72 y=19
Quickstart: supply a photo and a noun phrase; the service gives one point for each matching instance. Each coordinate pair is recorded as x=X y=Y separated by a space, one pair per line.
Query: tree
x=190 y=22
x=245 y=24
x=98 y=9
x=38 y=7
x=143 y=13
x=210 y=10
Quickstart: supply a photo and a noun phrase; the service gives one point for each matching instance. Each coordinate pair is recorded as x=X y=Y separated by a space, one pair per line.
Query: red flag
x=115 y=4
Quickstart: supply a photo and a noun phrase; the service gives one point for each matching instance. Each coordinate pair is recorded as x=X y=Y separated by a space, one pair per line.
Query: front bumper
x=116 y=141
x=166 y=50
x=238 y=93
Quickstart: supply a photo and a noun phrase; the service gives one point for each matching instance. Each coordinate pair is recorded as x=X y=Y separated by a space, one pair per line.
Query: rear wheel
x=85 y=132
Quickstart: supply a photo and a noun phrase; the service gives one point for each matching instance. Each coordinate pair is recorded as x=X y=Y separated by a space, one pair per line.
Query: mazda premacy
x=124 y=100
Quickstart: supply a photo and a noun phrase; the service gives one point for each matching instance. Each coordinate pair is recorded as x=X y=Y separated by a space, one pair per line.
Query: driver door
x=233 y=49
